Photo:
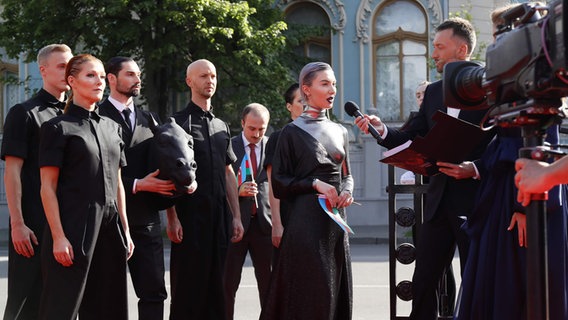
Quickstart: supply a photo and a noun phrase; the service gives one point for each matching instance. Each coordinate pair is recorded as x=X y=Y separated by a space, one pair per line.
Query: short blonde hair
x=46 y=51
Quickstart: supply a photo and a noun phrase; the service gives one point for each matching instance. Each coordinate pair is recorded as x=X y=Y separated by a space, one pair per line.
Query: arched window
x=400 y=47
x=311 y=15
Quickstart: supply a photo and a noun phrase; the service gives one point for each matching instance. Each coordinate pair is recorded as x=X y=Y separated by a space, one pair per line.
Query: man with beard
x=451 y=194
x=147 y=263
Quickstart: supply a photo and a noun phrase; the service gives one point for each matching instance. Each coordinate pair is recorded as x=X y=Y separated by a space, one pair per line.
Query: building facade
x=379 y=50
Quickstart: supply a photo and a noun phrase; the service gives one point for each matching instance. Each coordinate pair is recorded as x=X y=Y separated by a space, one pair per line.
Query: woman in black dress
x=88 y=242
x=312 y=277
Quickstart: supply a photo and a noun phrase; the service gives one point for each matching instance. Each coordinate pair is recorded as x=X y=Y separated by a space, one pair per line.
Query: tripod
x=534 y=118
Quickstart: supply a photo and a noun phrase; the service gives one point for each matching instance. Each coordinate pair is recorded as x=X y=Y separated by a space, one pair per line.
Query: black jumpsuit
x=88 y=151
x=196 y=264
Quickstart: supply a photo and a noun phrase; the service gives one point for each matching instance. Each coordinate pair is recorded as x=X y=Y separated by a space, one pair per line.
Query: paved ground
x=370 y=280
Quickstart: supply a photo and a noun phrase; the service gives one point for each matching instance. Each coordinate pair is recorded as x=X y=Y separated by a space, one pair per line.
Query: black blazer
x=142 y=207
x=263 y=212
x=457 y=195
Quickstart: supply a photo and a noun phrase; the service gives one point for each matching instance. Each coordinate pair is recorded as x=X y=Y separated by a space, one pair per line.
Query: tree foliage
x=244 y=39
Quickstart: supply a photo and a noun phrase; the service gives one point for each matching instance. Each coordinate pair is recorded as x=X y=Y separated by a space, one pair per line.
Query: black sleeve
x=16 y=137
x=270 y=148
x=51 y=145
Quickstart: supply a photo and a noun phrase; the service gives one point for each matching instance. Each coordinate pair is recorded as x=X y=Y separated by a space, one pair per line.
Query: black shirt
x=205 y=212
x=212 y=146
x=88 y=150
x=21 y=139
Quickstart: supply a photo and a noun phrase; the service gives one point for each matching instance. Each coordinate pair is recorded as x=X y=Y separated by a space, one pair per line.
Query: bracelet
x=314 y=183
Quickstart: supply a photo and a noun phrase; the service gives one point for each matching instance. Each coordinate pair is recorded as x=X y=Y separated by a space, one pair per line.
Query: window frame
x=398 y=36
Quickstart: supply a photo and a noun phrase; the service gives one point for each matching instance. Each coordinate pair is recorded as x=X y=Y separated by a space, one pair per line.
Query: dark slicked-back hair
x=461 y=28
x=114 y=64
x=290 y=92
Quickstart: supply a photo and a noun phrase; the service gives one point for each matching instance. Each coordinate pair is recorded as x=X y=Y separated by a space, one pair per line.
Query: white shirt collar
x=119 y=105
x=246 y=142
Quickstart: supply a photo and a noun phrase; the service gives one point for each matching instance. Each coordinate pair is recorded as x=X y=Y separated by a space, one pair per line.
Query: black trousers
x=24 y=282
x=147 y=271
x=259 y=246
x=435 y=250
x=94 y=286
x=196 y=274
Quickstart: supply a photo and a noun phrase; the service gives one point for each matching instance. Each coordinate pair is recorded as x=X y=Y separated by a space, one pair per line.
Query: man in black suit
x=255 y=207
x=451 y=194
x=147 y=263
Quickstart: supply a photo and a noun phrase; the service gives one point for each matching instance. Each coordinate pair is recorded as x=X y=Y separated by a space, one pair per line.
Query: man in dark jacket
x=451 y=194
x=254 y=205
x=147 y=263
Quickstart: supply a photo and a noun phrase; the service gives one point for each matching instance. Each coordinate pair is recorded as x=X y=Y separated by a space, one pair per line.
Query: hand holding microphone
x=367 y=124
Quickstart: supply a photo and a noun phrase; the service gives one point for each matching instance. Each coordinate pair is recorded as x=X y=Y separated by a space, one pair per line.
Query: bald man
x=201 y=224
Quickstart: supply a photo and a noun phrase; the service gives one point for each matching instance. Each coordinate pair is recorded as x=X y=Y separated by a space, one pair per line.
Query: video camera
x=526 y=64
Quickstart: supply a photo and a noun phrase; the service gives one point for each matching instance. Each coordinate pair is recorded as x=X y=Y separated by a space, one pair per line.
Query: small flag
x=333 y=213
x=245 y=170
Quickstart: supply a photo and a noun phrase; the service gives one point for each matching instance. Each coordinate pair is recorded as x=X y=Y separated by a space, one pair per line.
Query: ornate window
x=400 y=48
x=311 y=15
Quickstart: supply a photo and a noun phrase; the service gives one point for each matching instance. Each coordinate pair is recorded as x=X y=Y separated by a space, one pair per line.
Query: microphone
x=352 y=109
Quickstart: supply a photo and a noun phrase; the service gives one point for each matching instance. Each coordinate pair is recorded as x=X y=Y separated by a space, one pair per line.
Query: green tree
x=244 y=39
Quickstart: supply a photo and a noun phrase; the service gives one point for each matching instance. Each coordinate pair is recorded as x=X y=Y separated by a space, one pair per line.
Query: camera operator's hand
x=464 y=170
x=537 y=177
x=364 y=122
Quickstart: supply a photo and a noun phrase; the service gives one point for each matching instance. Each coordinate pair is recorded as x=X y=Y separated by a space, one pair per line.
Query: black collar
x=197 y=111
x=82 y=113
x=50 y=100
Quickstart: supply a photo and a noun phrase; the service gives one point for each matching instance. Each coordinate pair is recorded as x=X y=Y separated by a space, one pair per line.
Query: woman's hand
x=277 y=231
x=327 y=190
x=130 y=246
x=520 y=220
x=345 y=199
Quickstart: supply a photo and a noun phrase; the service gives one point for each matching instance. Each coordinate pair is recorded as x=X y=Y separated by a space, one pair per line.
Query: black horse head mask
x=173 y=154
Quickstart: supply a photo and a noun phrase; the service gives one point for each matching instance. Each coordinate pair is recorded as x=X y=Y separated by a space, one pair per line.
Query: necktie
x=254 y=166
x=253 y=160
x=126 y=112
